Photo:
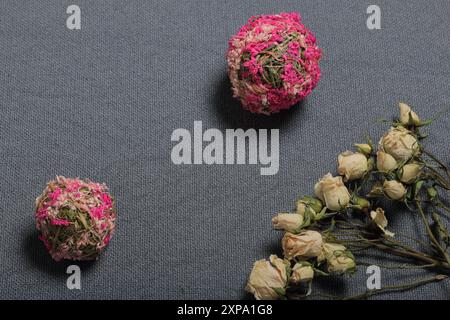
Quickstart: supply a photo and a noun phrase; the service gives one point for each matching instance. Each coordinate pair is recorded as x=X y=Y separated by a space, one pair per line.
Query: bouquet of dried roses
x=346 y=216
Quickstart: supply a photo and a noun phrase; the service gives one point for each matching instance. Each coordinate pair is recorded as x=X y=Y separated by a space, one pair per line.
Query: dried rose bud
x=333 y=192
x=339 y=259
x=352 y=165
x=409 y=172
x=407 y=116
x=306 y=244
x=301 y=272
x=379 y=219
x=399 y=143
x=287 y=221
x=313 y=204
x=385 y=162
x=394 y=189
x=361 y=203
x=268 y=278
x=364 y=148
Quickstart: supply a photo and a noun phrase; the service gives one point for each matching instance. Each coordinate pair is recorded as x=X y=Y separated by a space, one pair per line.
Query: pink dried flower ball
x=76 y=218
x=273 y=63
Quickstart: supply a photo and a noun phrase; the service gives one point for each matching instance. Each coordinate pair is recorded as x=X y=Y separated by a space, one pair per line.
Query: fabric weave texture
x=102 y=102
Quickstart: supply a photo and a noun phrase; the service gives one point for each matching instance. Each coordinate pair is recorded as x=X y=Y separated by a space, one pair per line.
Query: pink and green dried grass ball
x=273 y=63
x=76 y=218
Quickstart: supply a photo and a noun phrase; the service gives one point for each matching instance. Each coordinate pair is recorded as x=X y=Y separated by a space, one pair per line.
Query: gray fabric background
x=102 y=103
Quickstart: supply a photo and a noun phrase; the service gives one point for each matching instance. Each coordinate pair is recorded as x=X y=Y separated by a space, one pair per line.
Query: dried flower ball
x=76 y=218
x=273 y=63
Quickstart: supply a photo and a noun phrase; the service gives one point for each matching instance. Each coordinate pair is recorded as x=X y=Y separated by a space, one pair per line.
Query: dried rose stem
x=422 y=243
x=405 y=252
x=431 y=235
x=443 y=165
x=402 y=250
x=403 y=287
x=439 y=179
x=441 y=205
x=399 y=266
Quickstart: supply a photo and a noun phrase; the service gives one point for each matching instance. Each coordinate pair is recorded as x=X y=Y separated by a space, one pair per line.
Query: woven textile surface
x=103 y=101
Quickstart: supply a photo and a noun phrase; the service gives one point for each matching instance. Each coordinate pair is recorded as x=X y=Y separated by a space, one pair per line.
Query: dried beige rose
x=394 y=189
x=399 y=143
x=268 y=278
x=333 y=192
x=339 y=259
x=352 y=165
x=307 y=244
x=407 y=116
x=409 y=172
x=385 y=162
x=287 y=221
x=301 y=272
x=379 y=219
